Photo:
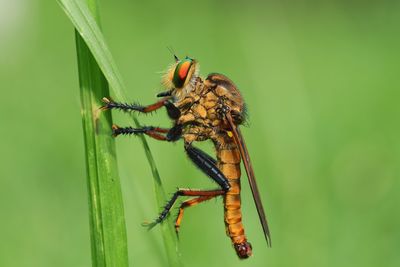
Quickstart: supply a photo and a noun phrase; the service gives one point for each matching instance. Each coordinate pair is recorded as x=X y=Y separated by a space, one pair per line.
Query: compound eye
x=181 y=72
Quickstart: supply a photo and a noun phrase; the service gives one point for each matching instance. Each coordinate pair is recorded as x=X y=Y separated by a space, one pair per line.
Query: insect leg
x=175 y=133
x=172 y=110
x=172 y=134
x=183 y=192
x=153 y=132
x=208 y=165
x=110 y=104
x=189 y=203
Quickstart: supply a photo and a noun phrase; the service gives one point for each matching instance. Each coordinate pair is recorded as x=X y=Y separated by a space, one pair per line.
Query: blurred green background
x=322 y=86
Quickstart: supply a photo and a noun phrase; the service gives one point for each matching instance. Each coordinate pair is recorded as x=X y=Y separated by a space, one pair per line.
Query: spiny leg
x=110 y=104
x=172 y=110
x=189 y=203
x=153 y=132
x=183 y=192
x=208 y=165
x=157 y=133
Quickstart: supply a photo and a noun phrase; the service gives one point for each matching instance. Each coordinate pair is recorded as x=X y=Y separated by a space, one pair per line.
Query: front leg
x=172 y=110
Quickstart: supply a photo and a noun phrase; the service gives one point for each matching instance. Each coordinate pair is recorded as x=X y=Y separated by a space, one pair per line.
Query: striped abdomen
x=229 y=164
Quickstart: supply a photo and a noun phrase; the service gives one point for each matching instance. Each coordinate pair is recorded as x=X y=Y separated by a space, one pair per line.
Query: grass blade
x=90 y=32
x=107 y=222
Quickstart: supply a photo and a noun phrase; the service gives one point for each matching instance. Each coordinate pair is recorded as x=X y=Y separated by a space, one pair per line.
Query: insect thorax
x=203 y=109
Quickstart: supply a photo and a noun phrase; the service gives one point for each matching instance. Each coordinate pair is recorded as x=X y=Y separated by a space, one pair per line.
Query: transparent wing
x=250 y=175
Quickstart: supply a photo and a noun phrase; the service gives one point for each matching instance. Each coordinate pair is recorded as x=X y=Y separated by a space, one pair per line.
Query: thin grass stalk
x=90 y=32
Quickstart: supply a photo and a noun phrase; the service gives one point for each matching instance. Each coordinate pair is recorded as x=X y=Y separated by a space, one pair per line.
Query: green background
x=321 y=82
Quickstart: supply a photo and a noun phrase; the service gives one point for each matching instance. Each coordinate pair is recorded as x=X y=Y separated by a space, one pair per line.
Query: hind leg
x=189 y=203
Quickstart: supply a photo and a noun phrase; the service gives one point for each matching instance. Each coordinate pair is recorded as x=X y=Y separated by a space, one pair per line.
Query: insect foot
x=107 y=102
x=149 y=225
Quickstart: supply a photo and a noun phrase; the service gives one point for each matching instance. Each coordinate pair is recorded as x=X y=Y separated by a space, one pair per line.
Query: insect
x=210 y=109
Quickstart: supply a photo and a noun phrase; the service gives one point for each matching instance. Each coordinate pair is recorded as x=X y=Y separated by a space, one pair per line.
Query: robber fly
x=201 y=110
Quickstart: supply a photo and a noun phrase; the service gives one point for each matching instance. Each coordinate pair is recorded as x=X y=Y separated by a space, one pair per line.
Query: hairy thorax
x=202 y=110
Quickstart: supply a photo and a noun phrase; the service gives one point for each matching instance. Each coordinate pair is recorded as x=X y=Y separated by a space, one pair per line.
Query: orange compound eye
x=181 y=72
x=184 y=69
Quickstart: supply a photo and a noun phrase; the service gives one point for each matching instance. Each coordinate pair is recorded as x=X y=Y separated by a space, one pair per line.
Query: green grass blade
x=107 y=222
x=89 y=30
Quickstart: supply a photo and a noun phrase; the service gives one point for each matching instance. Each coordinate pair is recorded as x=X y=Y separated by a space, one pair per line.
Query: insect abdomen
x=229 y=164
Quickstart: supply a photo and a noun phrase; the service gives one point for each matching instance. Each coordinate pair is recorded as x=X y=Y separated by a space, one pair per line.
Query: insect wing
x=251 y=177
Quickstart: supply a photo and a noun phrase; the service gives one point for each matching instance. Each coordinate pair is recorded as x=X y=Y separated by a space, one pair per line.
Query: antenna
x=170 y=49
